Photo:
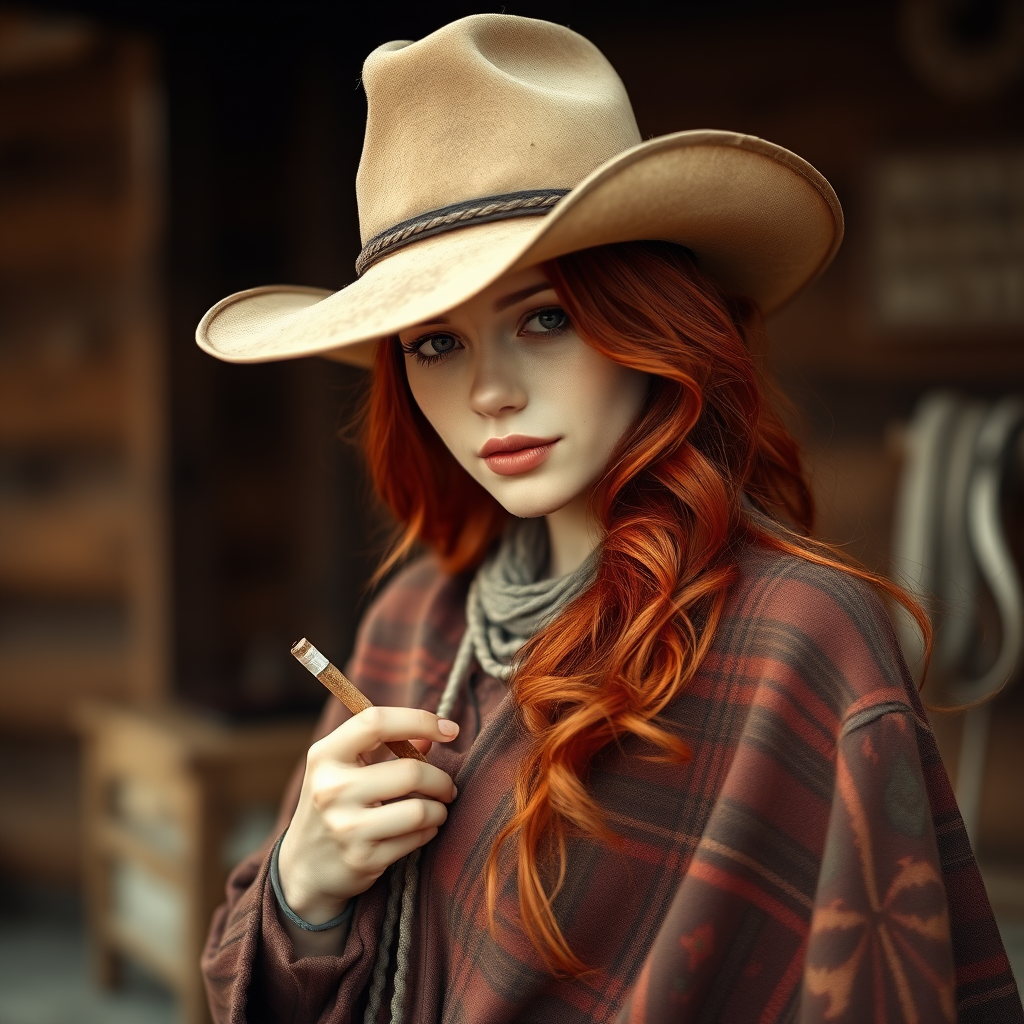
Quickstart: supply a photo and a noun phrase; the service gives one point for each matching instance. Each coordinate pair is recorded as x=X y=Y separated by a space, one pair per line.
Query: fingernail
x=455 y=792
x=447 y=727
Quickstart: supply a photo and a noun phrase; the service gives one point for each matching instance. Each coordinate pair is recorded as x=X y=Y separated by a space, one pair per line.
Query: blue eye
x=552 y=320
x=432 y=348
x=437 y=345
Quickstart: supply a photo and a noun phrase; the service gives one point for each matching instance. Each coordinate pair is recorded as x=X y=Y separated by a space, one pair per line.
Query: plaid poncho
x=808 y=864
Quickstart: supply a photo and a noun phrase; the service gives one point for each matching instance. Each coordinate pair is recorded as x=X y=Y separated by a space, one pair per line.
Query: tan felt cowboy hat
x=499 y=142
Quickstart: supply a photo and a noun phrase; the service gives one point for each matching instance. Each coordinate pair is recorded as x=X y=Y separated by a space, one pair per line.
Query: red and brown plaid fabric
x=809 y=864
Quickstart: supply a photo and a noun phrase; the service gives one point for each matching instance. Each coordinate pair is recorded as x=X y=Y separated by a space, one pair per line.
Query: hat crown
x=489 y=105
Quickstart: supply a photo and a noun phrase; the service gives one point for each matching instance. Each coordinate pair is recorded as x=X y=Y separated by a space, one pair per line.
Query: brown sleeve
x=249 y=965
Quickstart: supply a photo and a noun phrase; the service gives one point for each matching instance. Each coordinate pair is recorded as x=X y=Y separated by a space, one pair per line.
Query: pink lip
x=509 y=456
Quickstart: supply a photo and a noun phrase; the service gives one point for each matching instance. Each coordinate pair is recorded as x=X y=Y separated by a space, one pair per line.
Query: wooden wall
x=272 y=537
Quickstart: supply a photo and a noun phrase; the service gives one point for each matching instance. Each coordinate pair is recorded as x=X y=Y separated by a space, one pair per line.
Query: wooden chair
x=171 y=801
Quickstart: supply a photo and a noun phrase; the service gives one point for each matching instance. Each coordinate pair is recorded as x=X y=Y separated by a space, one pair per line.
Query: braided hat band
x=530 y=203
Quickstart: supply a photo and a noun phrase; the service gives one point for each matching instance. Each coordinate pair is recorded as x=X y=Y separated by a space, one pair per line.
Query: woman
x=676 y=767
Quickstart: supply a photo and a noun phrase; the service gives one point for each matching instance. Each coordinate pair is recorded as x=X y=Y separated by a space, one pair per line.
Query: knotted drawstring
x=505 y=606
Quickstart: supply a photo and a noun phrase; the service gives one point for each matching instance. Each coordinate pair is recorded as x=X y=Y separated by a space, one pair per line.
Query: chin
x=530 y=506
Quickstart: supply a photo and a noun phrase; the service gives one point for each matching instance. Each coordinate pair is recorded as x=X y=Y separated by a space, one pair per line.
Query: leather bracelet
x=275 y=882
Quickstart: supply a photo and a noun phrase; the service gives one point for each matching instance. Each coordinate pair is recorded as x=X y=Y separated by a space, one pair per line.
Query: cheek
x=606 y=397
x=435 y=400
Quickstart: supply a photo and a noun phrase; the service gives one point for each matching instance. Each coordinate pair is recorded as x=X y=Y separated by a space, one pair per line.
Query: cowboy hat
x=499 y=142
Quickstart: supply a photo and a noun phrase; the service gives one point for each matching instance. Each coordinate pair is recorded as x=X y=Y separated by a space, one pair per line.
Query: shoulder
x=815 y=628
x=410 y=632
x=419 y=589
x=803 y=592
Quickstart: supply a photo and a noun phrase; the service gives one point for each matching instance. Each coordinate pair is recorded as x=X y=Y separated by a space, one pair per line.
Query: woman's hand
x=360 y=810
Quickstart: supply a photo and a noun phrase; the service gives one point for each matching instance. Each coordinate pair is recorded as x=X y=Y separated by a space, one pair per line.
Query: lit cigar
x=336 y=681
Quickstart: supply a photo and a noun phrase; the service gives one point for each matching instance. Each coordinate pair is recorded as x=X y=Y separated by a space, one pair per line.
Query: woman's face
x=528 y=408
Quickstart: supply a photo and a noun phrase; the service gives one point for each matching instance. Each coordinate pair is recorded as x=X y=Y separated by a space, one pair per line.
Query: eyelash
x=412 y=348
x=555 y=331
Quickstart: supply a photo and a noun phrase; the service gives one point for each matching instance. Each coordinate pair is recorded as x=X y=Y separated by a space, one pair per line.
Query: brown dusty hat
x=499 y=142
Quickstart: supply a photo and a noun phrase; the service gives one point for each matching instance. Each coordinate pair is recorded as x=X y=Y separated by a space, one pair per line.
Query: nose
x=496 y=388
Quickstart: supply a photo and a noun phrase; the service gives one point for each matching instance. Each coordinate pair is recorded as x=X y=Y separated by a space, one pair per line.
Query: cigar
x=342 y=688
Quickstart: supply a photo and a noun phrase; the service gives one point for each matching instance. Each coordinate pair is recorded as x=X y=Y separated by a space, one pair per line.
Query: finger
x=392 y=780
x=389 y=821
x=423 y=746
x=370 y=728
x=388 y=851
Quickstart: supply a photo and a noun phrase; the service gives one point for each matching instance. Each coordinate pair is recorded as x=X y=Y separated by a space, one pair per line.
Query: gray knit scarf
x=505 y=606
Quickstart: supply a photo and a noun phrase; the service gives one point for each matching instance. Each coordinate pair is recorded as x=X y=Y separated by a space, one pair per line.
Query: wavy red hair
x=672 y=506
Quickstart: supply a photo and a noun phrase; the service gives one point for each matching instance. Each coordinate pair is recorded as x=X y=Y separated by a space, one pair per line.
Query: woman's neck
x=572 y=536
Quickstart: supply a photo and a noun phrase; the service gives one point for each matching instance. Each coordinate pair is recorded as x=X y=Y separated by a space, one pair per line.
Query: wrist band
x=275 y=881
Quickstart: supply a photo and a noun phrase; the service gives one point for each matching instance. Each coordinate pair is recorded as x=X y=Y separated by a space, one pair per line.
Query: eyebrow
x=525 y=293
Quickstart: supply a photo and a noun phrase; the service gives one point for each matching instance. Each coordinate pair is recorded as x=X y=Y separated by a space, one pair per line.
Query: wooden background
x=271 y=535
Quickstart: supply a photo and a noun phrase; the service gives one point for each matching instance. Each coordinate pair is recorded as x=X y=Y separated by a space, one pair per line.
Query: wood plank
x=133 y=742
x=82 y=403
x=106 y=964
x=40 y=819
x=72 y=542
x=40 y=686
x=89 y=94
x=169 y=971
x=143 y=347
x=44 y=232
x=177 y=735
x=113 y=839
x=150 y=806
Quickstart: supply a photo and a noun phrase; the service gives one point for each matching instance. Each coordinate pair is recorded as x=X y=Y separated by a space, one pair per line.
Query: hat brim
x=761 y=221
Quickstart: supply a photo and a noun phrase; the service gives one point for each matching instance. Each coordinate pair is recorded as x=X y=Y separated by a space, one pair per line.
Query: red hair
x=672 y=506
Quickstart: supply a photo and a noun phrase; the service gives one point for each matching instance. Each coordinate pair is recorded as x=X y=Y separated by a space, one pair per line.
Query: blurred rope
x=948 y=540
